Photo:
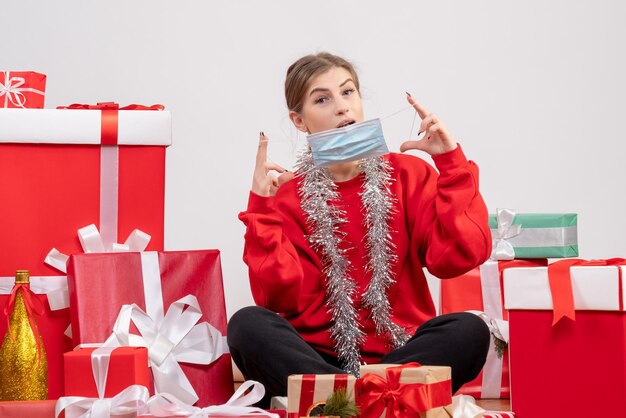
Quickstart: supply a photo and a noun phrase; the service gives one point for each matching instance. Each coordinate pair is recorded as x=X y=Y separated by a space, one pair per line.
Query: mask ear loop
x=412 y=124
x=404 y=109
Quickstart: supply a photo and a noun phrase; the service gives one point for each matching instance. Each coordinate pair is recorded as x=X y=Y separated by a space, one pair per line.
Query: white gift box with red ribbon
x=62 y=169
x=568 y=333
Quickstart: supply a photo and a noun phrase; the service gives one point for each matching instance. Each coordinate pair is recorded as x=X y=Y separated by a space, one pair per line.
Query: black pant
x=268 y=349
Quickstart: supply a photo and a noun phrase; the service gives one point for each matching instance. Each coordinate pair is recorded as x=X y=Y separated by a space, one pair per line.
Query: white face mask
x=348 y=143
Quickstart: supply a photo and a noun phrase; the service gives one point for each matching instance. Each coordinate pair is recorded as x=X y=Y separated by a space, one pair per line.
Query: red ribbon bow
x=33 y=307
x=109 y=110
x=375 y=393
x=561 y=285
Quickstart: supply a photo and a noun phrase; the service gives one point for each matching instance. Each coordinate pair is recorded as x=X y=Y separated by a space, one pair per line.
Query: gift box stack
x=74 y=181
x=520 y=241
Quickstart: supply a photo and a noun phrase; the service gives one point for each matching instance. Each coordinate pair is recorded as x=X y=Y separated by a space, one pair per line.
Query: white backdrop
x=533 y=90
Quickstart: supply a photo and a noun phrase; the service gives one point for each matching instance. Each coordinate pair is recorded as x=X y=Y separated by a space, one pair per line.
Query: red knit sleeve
x=274 y=268
x=448 y=217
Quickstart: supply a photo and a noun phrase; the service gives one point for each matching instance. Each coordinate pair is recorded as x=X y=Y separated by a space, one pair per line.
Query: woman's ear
x=297 y=121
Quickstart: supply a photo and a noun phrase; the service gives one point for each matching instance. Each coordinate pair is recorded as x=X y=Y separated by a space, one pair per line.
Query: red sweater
x=440 y=222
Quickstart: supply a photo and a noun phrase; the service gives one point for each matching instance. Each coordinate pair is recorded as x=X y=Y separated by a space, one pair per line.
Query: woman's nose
x=342 y=108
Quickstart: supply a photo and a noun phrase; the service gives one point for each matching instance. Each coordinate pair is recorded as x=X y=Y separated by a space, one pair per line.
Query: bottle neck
x=22 y=277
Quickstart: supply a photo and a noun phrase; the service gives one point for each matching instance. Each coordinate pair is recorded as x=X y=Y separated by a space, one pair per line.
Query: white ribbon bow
x=12 y=90
x=464 y=406
x=176 y=338
x=165 y=404
x=502 y=249
x=91 y=241
x=133 y=399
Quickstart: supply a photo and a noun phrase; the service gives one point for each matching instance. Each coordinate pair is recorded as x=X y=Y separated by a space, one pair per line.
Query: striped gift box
x=306 y=391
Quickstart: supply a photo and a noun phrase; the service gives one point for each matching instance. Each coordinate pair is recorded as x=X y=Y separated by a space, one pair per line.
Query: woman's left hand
x=436 y=139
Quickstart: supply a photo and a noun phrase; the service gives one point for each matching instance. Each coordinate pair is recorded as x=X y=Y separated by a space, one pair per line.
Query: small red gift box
x=127 y=366
x=410 y=390
x=305 y=391
x=557 y=365
x=56 y=177
x=52 y=324
x=100 y=284
x=27 y=409
x=480 y=289
x=22 y=89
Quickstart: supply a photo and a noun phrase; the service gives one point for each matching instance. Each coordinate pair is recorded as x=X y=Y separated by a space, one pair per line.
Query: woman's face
x=331 y=101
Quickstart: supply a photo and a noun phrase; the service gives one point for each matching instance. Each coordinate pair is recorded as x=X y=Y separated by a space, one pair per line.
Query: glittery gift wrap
x=99 y=284
x=50 y=181
x=52 y=326
x=22 y=89
x=473 y=291
x=127 y=366
x=573 y=368
x=27 y=409
x=304 y=391
x=542 y=235
x=23 y=361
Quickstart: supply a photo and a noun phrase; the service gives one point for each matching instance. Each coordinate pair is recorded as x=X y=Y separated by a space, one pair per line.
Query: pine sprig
x=499 y=346
x=339 y=404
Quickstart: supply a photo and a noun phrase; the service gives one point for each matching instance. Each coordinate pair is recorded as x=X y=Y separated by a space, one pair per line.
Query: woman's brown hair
x=303 y=70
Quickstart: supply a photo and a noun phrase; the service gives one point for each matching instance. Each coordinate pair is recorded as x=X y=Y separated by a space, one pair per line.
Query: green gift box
x=533 y=235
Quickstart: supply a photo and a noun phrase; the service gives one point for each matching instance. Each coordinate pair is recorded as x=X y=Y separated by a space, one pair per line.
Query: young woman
x=335 y=253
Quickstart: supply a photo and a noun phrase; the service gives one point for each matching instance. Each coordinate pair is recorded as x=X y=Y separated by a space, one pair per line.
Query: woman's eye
x=321 y=99
x=348 y=92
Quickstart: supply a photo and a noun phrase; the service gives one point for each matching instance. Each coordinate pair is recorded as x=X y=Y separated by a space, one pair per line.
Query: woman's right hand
x=263 y=182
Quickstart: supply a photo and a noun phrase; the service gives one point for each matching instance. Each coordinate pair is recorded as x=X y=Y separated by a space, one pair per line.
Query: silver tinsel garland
x=316 y=191
x=379 y=206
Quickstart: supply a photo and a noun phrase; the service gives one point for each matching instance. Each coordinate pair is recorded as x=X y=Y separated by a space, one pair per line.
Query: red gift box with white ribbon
x=105 y=382
x=22 y=89
x=63 y=169
x=120 y=367
x=480 y=291
x=568 y=338
x=171 y=302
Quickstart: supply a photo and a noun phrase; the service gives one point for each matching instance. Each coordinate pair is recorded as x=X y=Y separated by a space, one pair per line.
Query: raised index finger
x=421 y=110
x=261 y=154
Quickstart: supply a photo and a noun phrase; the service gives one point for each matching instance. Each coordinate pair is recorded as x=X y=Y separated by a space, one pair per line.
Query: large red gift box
x=100 y=284
x=562 y=369
x=480 y=289
x=22 y=89
x=126 y=366
x=52 y=324
x=56 y=177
